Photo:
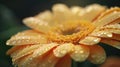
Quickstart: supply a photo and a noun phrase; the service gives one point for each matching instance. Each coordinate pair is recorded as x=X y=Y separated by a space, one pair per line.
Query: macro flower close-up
x=62 y=34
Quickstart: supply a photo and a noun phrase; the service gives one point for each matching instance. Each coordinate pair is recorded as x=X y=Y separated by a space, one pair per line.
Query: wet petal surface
x=97 y=54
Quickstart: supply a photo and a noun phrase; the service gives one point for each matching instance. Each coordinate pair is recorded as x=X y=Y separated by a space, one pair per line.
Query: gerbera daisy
x=63 y=34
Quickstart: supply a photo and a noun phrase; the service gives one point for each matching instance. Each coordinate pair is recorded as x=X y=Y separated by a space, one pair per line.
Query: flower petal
x=45 y=60
x=43 y=49
x=27 y=50
x=116 y=37
x=97 y=54
x=64 y=62
x=46 y=16
x=60 y=8
x=76 y=9
x=61 y=13
x=27 y=37
x=37 y=24
x=80 y=53
x=15 y=48
x=42 y=55
x=104 y=34
x=49 y=61
x=90 y=40
x=113 y=26
x=114 y=31
x=110 y=16
x=108 y=12
x=63 y=49
x=111 y=42
x=19 y=62
x=91 y=12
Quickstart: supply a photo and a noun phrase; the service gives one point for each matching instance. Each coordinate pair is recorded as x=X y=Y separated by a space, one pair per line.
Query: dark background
x=13 y=11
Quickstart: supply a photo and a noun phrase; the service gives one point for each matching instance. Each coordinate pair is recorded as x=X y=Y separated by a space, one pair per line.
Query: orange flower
x=56 y=37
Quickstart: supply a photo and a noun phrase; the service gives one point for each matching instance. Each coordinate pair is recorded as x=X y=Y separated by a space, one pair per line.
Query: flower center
x=71 y=32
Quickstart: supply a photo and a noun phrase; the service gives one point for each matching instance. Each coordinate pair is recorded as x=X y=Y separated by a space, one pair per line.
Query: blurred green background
x=13 y=11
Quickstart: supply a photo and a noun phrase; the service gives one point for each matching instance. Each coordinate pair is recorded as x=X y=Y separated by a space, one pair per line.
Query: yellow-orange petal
x=104 y=34
x=111 y=42
x=49 y=61
x=89 y=40
x=91 y=12
x=62 y=8
x=43 y=49
x=45 y=60
x=76 y=9
x=80 y=53
x=37 y=56
x=112 y=26
x=46 y=16
x=27 y=37
x=30 y=61
x=114 y=31
x=37 y=24
x=15 y=48
x=27 y=50
x=110 y=16
x=64 y=62
x=63 y=49
x=21 y=61
x=97 y=54
x=61 y=13
x=108 y=12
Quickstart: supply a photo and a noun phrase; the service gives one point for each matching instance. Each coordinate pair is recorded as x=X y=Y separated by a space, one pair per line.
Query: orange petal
x=108 y=12
x=20 y=61
x=64 y=62
x=80 y=53
x=115 y=31
x=112 y=42
x=45 y=60
x=90 y=40
x=46 y=16
x=97 y=54
x=91 y=12
x=40 y=57
x=112 y=26
x=49 y=61
x=37 y=24
x=76 y=9
x=110 y=16
x=15 y=48
x=27 y=50
x=60 y=8
x=27 y=37
x=116 y=37
x=105 y=34
x=61 y=13
x=21 y=54
x=43 y=49
x=63 y=49
x=29 y=61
